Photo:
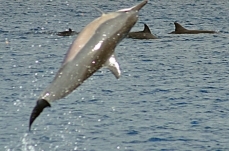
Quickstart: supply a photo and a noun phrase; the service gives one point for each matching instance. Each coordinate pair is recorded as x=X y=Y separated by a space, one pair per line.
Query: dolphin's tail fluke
x=41 y=104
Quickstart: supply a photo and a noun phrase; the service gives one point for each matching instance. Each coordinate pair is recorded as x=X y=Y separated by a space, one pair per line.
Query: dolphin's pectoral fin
x=41 y=104
x=113 y=66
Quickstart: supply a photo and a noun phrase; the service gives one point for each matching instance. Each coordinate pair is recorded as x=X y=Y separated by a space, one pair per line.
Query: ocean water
x=172 y=94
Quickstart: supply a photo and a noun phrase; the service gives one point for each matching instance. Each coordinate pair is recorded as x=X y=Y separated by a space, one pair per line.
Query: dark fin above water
x=146 y=29
x=66 y=33
x=178 y=27
x=41 y=104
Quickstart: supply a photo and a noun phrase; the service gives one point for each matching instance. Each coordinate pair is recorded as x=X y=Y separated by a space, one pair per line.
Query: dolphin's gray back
x=141 y=35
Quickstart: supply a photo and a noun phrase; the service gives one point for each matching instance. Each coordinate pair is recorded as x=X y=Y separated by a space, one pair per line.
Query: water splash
x=27 y=143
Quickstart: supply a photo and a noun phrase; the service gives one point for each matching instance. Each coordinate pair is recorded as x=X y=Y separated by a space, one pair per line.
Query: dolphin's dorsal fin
x=146 y=29
x=70 y=29
x=99 y=10
x=178 y=27
x=113 y=66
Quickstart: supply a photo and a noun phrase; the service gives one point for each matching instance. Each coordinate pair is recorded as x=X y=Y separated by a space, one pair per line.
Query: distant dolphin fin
x=178 y=27
x=146 y=29
x=41 y=104
x=113 y=66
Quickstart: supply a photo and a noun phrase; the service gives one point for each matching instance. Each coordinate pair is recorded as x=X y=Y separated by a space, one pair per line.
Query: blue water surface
x=172 y=95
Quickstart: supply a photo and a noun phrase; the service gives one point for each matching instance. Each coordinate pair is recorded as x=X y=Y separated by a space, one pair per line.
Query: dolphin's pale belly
x=73 y=73
x=69 y=77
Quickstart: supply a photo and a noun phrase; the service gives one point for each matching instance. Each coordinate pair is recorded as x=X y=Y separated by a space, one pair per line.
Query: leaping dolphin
x=181 y=30
x=92 y=49
x=145 y=34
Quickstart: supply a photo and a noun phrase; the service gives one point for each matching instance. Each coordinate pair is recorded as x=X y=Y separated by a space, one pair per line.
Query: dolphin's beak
x=41 y=104
x=139 y=6
x=134 y=8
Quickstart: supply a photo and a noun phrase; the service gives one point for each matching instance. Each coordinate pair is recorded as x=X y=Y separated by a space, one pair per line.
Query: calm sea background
x=172 y=95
